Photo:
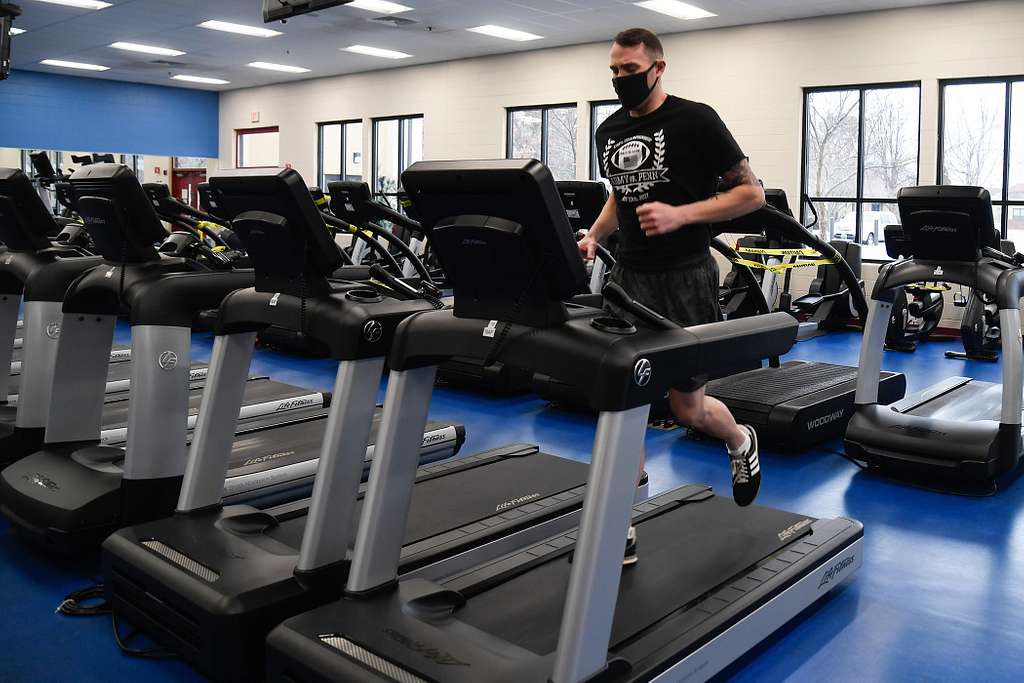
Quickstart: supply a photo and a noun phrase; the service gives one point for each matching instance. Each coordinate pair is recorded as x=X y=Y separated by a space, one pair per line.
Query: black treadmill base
x=507 y=630
x=211 y=585
x=18 y=442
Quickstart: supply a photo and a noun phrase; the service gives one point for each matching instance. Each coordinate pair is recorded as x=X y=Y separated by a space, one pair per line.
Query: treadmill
x=798 y=404
x=34 y=272
x=351 y=201
x=82 y=485
x=713 y=579
x=960 y=432
x=211 y=581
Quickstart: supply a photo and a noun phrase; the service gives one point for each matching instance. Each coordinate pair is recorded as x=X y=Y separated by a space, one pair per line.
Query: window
x=860 y=147
x=257 y=148
x=547 y=134
x=341 y=151
x=982 y=143
x=599 y=111
x=397 y=144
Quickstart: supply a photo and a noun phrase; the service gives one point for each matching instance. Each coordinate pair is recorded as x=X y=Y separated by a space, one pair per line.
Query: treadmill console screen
x=117 y=213
x=502 y=236
x=946 y=222
x=25 y=221
x=286 y=262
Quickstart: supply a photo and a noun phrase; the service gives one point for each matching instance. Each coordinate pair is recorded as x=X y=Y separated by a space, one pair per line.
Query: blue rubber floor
x=940 y=596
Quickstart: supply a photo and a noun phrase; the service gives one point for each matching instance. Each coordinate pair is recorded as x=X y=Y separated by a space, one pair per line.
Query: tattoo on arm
x=740 y=174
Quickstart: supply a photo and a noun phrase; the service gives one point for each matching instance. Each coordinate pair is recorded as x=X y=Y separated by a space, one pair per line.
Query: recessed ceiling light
x=376 y=52
x=81 y=4
x=278 y=67
x=200 y=79
x=16 y=31
x=382 y=6
x=506 y=33
x=227 y=26
x=147 y=49
x=674 y=8
x=74 y=65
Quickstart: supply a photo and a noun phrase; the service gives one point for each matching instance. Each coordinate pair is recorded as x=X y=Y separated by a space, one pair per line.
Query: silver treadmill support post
x=214 y=435
x=392 y=473
x=597 y=272
x=359 y=249
x=41 y=334
x=328 y=531
x=1013 y=366
x=158 y=402
x=9 y=304
x=597 y=564
x=408 y=269
x=871 y=346
x=80 y=376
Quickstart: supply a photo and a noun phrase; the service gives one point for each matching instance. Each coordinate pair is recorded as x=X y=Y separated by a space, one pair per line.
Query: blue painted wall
x=52 y=111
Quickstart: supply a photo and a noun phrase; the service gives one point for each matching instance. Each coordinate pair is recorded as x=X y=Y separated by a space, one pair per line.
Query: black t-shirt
x=675 y=155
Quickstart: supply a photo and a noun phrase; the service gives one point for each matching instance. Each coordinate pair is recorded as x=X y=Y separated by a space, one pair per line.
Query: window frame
x=1003 y=201
x=399 y=148
x=344 y=123
x=239 y=132
x=859 y=200
x=544 y=110
x=595 y=170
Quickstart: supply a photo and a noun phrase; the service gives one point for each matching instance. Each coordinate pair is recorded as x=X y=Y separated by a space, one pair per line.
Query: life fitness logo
x=373 y=331
x=53 y=330
x=642 y=372
x=167 y=360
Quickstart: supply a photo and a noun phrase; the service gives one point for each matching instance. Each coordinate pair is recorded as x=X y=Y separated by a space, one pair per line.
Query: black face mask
x=633 y=89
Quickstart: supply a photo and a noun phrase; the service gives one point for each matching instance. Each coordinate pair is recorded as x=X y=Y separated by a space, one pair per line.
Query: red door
x=185 y=185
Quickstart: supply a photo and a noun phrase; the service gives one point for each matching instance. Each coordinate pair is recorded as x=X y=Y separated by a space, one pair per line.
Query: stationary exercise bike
x=979 y=326
x=917 y=308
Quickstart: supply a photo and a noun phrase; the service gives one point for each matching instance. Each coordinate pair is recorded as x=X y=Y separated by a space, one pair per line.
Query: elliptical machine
x=979 y=326
x=917 y=308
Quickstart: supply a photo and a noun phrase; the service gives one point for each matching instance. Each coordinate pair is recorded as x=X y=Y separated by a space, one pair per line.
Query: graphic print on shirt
x=635 y=165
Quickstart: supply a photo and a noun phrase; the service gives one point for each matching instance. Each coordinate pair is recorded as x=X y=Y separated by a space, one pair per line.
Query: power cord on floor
x=87 y=602
x=92 y=602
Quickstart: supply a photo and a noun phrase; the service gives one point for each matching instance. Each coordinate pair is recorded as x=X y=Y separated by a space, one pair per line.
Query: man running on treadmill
x=674 y=168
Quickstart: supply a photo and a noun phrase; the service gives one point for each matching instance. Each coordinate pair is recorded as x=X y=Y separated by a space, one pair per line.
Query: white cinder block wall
x=753 y=76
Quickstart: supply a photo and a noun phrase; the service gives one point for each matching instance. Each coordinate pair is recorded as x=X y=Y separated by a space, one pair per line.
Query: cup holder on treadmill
x=613 y=325
x=364 y=295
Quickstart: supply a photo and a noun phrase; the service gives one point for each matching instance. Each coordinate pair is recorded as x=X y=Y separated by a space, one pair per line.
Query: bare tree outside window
x=831 y=143
x=547 y=134
x=972 y=142
x=861 y=145
x=561 y=139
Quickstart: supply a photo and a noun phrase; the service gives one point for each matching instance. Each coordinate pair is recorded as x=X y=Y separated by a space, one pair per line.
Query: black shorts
x=686 y=296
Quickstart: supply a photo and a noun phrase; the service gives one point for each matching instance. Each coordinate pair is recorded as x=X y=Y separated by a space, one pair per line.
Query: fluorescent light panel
x=376 y=52
x=16 y=31
x=506 y=33
x=147 y=49
x=74 y=65
x=381 y=6
x=200 y=79
x=241 y=29
x=284 y=68
x=80 y=4
x=674 y=8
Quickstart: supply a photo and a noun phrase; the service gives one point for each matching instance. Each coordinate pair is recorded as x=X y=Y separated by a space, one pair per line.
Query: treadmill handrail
x=995 y=277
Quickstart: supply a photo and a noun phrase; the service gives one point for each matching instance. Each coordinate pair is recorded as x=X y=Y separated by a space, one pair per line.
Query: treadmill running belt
x=527 y=609
x=779 y=385
x=439 y=504
x=970 y=402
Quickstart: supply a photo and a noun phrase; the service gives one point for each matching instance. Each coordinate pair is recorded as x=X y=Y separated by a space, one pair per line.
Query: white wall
x=752 y=75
